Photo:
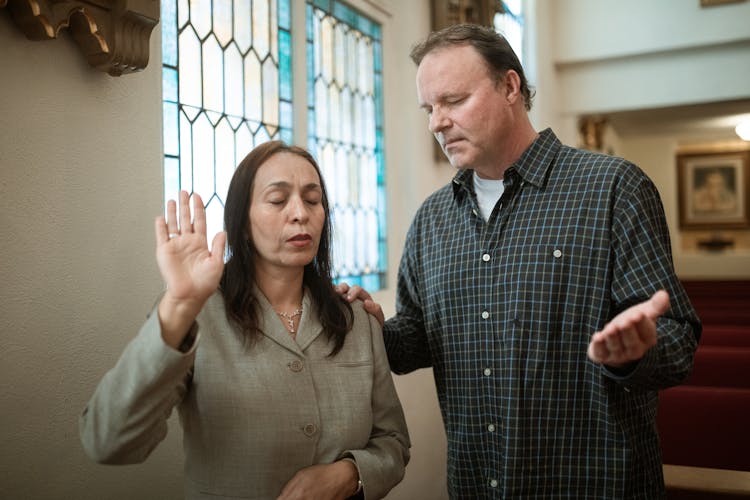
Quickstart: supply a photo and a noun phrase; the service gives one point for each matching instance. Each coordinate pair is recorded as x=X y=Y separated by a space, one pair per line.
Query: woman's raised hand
x=190 y=270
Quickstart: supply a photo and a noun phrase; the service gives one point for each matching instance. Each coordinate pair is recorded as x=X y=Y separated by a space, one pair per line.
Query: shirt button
x=491 y=428
x=485 y=315
x=309 y=429
x=493 y=483
x=487 y=372
x=557 y=253
x=486 y=257
x=296 y=365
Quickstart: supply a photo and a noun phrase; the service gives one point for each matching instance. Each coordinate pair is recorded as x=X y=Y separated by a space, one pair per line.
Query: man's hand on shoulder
x=357 y=292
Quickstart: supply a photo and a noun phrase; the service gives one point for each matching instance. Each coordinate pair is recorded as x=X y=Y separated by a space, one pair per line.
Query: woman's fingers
x=199 y=215
x=161 y=231
x=185 y=224
x=172 y=217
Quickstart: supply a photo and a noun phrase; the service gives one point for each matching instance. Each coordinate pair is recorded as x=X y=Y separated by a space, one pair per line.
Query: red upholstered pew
x=704 y=424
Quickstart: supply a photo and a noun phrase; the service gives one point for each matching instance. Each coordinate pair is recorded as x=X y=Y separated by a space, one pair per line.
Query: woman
x=283 y=389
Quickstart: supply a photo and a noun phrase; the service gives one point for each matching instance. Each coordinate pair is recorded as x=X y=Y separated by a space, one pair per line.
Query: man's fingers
x=658 y=304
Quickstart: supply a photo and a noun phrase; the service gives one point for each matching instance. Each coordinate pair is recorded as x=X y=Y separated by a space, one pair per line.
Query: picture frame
x=713 y=190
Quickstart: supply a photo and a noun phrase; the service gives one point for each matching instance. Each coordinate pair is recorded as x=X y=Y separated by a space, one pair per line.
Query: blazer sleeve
x=382 y=463
x=126 y=418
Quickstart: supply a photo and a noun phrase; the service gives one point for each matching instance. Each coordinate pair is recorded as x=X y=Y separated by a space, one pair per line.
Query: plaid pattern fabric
x=503 y=312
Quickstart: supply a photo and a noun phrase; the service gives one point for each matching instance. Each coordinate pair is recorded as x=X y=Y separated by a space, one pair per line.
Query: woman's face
x=286 y=213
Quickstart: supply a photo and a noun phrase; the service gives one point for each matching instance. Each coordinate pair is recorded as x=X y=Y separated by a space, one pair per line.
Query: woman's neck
x=282 y=289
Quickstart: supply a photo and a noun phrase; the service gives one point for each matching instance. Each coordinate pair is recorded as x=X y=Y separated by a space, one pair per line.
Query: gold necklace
x=289 y=317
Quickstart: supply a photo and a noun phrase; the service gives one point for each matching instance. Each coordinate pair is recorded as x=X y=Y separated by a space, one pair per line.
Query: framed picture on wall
x=713 y=190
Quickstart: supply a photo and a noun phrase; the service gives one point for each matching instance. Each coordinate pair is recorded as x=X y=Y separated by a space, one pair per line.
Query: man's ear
x=512 y=85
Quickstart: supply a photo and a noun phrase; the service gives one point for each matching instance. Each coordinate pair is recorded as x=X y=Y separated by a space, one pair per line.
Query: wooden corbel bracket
x=112 y=34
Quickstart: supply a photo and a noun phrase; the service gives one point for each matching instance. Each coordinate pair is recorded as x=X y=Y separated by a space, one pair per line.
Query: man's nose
x=438 y=120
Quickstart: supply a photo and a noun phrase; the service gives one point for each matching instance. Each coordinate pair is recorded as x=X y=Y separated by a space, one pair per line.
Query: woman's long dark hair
x=239 y=272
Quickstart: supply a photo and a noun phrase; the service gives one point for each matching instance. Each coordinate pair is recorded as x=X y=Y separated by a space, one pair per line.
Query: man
x=532 y=285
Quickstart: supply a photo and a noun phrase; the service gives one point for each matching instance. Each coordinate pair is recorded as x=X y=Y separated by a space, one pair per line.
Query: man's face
x=469 y=113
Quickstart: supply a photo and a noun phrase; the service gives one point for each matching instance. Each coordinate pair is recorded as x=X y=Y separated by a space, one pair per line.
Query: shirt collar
x=532 y=166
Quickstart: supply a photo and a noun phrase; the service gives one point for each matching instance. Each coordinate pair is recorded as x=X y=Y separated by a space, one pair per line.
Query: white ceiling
x=699 y=122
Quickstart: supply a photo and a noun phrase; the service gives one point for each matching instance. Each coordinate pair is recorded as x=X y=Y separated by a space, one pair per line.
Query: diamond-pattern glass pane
x=227 y=87
x=345 y=134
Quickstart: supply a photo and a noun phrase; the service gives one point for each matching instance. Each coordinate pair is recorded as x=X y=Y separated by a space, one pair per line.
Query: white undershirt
x=488 y=191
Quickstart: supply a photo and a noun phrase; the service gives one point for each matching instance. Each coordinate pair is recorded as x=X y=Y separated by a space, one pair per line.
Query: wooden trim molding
x=112 y=34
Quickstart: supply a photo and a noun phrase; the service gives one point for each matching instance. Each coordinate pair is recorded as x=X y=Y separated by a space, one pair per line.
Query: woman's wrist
x=355 y=481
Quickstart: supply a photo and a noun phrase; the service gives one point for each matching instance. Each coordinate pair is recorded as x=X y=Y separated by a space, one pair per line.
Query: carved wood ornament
x=112 y=34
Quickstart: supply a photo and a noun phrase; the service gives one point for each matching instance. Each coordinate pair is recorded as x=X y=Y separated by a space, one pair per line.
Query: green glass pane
x=242 y=24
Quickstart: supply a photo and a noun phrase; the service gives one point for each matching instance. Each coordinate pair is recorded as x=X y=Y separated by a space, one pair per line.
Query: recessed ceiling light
x=743 y=130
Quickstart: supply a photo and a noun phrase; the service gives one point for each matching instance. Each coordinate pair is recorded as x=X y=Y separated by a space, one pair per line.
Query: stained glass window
x=345 y=128
x=509 y=23
x=227 y=86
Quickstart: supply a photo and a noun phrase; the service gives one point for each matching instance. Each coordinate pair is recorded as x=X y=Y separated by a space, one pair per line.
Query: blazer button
x=296 y=365
x=309 y=429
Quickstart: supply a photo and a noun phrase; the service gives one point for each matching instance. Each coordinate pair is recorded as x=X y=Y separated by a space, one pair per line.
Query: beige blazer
x=253 y=414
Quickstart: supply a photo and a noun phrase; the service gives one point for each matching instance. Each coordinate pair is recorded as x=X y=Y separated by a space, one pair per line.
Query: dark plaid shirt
x=503 y=312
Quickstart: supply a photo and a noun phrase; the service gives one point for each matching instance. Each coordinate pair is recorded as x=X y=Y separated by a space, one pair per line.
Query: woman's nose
x=298 y=210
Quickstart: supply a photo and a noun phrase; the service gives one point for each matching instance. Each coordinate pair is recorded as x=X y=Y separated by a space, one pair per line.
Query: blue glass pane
x=287 y=136
x=169 y=84
x=378 y=55
x=216 y=91
x=344 y=13
x=169 y=33
x=286 y=114
x=285 y=15
x=171 y=129
x=285 y=65
x=323 y=5
x=171 y=178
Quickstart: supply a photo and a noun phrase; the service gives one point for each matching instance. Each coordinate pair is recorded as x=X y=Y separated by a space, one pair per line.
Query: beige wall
x=80 y=183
